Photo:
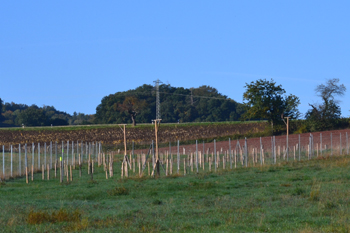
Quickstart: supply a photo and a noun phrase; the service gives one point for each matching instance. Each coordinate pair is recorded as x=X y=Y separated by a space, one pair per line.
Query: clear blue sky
x=70 y=54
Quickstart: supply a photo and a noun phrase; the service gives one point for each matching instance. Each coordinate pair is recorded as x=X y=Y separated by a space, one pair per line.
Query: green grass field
x=306 y=196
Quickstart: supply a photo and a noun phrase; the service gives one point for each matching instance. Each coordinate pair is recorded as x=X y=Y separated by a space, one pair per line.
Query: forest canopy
x=177 y=104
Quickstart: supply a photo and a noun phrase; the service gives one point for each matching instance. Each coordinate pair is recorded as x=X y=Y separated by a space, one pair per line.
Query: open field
x=306 y=196
x=141 y=134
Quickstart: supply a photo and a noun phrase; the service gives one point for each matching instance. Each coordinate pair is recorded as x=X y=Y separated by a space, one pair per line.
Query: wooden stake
x=92 y=166
x=32 y=172
x=67 y=173
x=48 y=171
x=210 y=164
x=27 y=175
x=42 y=172
x=126 y=169
x=149 y=171
x=167 y=167
x=184 y=166
x=122 y=170
x=71 y=173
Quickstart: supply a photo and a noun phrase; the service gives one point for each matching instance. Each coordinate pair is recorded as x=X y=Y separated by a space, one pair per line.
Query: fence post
x=45 y=154
x=33 y=155
x=19 y=160
x=274 y=150
x=215 y=159
x=203 y=154
x=178 y=156
x=11 y=162
x=331 y=145
x=25 y=156
x=340 y=147
x=72 y=153
x=197 y=156
x=261 y=152
x=230 y=154
x=39 y=156
x=67 y=153
x=321 y=144
x=56 y=151
x=50 y=154
x=299 y=147
x=246 y=152
x=347 y=147
x=3 y=161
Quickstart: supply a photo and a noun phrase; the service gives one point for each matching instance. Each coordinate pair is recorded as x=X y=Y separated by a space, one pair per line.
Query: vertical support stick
x=321 y=144
x=3 y=161
x=340 y=146
x=299 y=146
x=19 y=160
x=39 y=156
x=11 y=163
x=331 y=145
x=178 y=156
x=230 y=154
x=33 y=154
x=215 y=159
x=45 y=162
x=246 y=152
x=347 y=146
x=27 y=181
x=197 y=156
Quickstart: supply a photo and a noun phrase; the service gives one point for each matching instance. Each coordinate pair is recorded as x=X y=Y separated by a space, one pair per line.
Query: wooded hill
x=202 y=104
x=13 y=114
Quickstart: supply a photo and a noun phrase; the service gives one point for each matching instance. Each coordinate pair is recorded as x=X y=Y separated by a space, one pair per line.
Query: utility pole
x=156 y=165
x=157 y=82
x=287 y=124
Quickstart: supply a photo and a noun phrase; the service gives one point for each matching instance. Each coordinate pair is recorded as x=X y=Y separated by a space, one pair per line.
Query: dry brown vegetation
x=142 y=134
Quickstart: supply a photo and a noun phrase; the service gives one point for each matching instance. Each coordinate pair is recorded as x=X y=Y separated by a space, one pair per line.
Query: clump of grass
x=315 y=192
x=330 y=205
x=298 y=191
x=118 y=191
x=157 y=202
x=62 y=215
x=285 y=185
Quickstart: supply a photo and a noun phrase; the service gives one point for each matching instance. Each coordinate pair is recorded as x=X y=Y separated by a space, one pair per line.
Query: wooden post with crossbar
x=156 y=165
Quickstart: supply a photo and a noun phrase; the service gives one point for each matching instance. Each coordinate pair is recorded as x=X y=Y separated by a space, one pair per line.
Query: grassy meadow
x=306 y=196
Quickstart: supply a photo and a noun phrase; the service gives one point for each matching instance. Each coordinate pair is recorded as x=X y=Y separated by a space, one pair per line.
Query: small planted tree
x=266 y=100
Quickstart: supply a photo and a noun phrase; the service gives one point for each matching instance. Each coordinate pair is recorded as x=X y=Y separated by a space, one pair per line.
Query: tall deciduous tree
x=323 y=116
x=132 y=106
x=266 y=100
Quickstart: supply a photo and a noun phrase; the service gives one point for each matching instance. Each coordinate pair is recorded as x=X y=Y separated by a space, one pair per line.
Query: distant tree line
x=13 y=114
x=263 y=100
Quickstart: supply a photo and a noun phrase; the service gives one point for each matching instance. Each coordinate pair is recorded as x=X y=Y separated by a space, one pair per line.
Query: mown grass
x=306 y=196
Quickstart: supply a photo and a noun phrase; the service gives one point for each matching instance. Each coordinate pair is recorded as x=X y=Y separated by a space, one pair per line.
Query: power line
x=197 y=96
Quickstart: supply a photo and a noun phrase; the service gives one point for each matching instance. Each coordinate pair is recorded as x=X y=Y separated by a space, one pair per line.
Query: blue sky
x=70 y=54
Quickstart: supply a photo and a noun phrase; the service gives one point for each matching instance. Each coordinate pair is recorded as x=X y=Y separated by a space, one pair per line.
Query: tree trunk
x=133 y=120
x=272 y=127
